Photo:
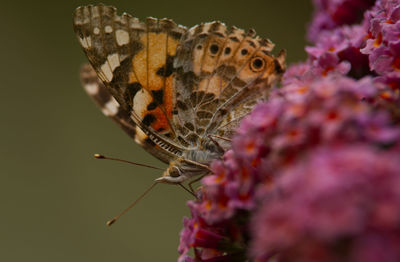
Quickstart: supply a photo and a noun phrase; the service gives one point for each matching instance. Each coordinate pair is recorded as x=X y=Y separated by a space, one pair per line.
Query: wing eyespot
x=257 y=64
x=214 y=48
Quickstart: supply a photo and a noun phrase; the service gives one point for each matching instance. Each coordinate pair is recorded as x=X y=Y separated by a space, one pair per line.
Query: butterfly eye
x=174 y=171
x=257 y=64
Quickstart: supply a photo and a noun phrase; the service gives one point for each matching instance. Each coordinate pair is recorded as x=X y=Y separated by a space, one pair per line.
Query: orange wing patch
x=152 y=68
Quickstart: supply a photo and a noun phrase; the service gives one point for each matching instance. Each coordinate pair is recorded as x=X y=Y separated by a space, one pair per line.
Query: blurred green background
x=55 y=197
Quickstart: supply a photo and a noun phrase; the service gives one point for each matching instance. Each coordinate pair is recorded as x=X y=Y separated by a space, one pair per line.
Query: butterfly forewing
x=111 y=108
x=103 y=99
x=133 y=60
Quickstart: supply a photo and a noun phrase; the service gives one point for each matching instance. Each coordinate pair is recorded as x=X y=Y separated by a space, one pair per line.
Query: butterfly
x=178 y=92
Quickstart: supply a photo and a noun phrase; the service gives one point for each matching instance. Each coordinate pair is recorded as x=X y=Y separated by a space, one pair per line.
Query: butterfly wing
x=100 y=95
x=221 y=74
x=178 y=86
x=134 y=61
x=105 y=101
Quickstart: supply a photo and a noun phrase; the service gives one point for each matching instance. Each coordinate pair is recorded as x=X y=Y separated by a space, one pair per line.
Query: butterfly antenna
x=98 y=156
x=113 y=220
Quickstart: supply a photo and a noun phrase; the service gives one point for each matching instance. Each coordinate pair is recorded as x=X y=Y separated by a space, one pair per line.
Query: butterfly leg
x=187 y=190
x=216 y=143
x=194 y=181
x=221 y=137
x=197 y=164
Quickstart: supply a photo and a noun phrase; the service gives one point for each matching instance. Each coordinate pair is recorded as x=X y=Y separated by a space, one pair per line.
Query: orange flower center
x=378 y=40
x=327 y=70
x=396 y=63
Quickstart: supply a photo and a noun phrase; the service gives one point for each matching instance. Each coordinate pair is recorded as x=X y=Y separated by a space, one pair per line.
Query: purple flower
x=277 y=136
x=218 y=242
x=312 y=174
x=383 y=44
x=342 y=45
x=330 y=14
x=338 y=196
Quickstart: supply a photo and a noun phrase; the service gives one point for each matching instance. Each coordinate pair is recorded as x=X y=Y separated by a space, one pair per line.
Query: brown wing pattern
x=220 y=74
x=103 y=99
x=134 y=61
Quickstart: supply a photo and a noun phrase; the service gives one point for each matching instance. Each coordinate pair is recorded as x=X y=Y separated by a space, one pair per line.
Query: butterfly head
x=183 y=168
x=173 y=175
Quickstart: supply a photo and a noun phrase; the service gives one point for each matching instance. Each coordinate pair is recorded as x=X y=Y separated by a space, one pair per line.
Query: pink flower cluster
x=371 y=47
x=329 y=14
x=313 y=174
x=341 y=203
x=327 y=115
x=383 y=42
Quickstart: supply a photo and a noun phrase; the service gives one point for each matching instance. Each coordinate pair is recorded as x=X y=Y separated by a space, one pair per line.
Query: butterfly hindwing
x=221 y=74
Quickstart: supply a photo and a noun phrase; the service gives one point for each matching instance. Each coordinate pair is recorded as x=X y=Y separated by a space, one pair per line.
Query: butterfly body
x=171 y=88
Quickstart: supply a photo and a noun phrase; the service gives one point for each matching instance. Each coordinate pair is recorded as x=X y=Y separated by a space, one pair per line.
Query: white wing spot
x=96 y=31
x=111 y=107
x=86 y=42
x=107 y=73
x=92 y=88
x=140 y=102
x=122 y=37
x=108 y=29
x=140 y=136
x=109 y=66
x=113 y=59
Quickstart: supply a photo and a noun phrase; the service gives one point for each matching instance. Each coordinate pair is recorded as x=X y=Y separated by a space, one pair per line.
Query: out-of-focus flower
x=330 y=14
x=276 y=136
x=332 y=206
x=211 y=243
x=312 y=173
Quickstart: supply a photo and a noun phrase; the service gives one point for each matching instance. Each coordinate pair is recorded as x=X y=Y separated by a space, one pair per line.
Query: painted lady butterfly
x=180 y=93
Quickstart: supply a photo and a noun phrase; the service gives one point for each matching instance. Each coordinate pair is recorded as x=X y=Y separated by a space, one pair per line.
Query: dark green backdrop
x=55 y=198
